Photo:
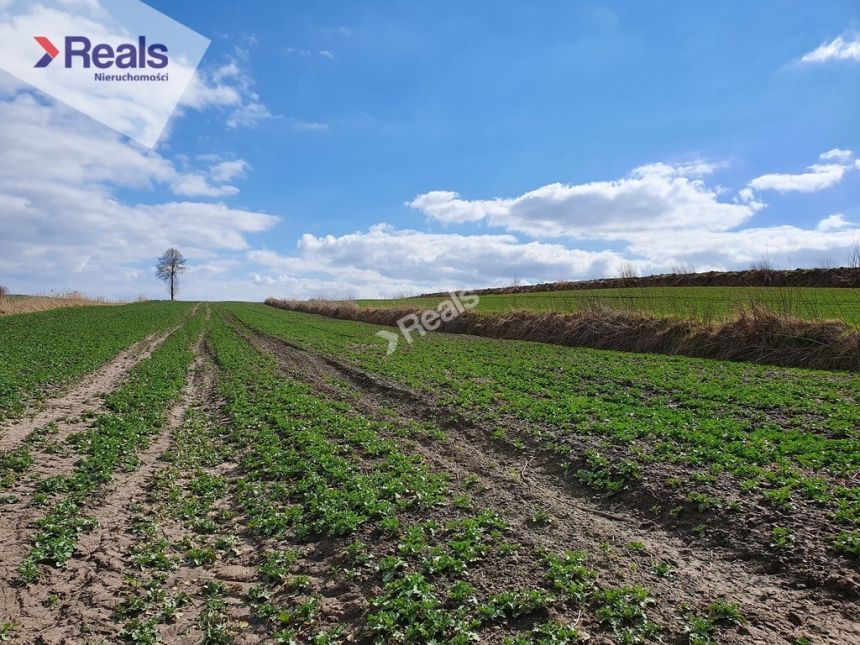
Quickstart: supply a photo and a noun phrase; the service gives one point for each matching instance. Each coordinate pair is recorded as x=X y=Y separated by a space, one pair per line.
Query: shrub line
x=755 y=335
x=841 y=277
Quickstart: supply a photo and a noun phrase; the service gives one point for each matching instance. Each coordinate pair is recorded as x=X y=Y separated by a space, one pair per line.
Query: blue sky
x=362 y=149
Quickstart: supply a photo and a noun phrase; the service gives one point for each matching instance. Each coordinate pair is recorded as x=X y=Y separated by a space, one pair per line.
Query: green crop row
x=691 y=303
x=42 y=352
x=781 y=435
x=315 y=472
x=183 y=523
x=136 y=412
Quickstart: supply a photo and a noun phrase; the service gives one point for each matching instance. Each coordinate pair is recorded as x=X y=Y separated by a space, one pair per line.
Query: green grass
x=42 y=352
x=780 y=435
x=696 y=303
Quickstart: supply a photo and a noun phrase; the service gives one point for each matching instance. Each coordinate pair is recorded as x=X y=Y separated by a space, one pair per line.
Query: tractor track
x=778 y=608
x=76 y=601
x=84 y=397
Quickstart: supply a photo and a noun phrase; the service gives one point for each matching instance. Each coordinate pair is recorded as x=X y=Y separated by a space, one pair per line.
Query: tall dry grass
x=28 y=304
x=756 y=334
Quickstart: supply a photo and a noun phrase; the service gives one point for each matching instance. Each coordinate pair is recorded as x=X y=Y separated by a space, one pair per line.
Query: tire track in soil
x=777 y=611
x=84 y=396
x=53 y=458
x=88 y=585
x=239 y=573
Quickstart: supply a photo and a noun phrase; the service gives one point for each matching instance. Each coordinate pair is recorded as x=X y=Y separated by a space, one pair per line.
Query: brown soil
x=85 y=396
x=516 y=483
x=75 y=605
x=79 y=598
x=238 y=572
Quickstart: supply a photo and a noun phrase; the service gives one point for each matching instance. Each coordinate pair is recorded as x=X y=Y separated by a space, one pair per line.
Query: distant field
x=698 y=303
x=43 y=351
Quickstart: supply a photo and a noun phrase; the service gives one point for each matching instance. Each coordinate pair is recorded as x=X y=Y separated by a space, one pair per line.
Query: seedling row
x=304 y=496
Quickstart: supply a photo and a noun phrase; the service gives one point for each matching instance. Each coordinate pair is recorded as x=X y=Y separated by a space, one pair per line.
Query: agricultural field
x=252 y=475
x=690 y=303
x=42 y=352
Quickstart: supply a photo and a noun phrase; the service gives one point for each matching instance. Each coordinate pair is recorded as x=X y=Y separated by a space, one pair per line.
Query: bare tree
x=763 y=263
x=854 y=255
x=683 y=268
x=627 y=271
x=169 y=266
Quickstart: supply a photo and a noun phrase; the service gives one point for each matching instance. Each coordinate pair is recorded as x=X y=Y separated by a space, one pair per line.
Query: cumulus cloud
x=655 y=197
x=230 y=87
x=739 y=249
x=33 y=130
x=63 y=224
x=818 y=177
x=837 y=154
x=837 y=49
x=833 y=222
x=229 y=170
x=194 y=185
x=386 y=260
x=662 y=214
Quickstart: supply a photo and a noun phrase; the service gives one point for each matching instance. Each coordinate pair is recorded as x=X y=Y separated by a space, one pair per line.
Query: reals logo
x=51 y=51
x=103 y=56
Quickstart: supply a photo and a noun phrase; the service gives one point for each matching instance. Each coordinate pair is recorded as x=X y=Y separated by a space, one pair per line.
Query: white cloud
x=250 y=114
x=385 y=260
x=205 y=92
x=747 y=196
x=655 y=197
x=63 y=225
x=229 y=170
x=140 y=110
x=790 y=245
x=228 y=70
x=307 y=53
x=308 y=126
x=837 y=154
x=192 y=185
x=819 y=177
x=229 y=87
x=836 y=49
x=32 y=131
x=833 y=222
